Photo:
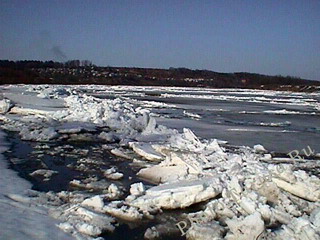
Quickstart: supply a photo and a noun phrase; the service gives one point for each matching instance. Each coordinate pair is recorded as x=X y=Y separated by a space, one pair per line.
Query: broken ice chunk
x=108 y=137
x=45 y=173
x=5 y=105
x=249 y=228
x=259 y=149
x=42 y=135
x=179 y=194
x=207 y=231
x=162 y=174
x=298 y=183
x=120 y=153
x=137 y=189
x=121 y=211
x=146 y=150
x=88 y=229
x=112 y=174
x=95 y=202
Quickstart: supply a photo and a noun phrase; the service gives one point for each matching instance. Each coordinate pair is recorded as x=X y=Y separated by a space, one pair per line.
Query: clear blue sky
x=262 y=36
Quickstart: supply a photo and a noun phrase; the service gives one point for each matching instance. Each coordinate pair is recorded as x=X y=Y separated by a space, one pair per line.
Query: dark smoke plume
x=58 y=53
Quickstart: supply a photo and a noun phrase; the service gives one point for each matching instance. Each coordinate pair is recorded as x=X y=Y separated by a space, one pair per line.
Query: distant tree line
x=24 y=64
x=84 y=72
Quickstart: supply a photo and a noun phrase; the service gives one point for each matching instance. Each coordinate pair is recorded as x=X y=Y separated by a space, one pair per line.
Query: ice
x=88 y=229
x=145 y=150
x=191 y=115
x=161 y=174
x=250 y=228
x=111 y=190
x=243 y=192
x=120 y=153
x=113 y=174
x=285 y=112
x=108 y=137
x=259 y=148
x=151 y=234
x=76 y=127
x=116 y=114
x=17 y=220
x=161 y=231
x=122 y=211
x=78 y=219
x=46 y=173
x=49 y=92
x=315 y=217
x=30 y=111
x=95 y=202
x=30 y=101
x=263 y=98
x=5 y=105
x=137 y=189
x=304 y=189
x=41 y=135
x=178 y=195
x=298 y=228
x=207 y=231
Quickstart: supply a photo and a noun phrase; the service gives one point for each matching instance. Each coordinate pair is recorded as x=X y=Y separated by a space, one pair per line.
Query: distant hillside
x=83 y=72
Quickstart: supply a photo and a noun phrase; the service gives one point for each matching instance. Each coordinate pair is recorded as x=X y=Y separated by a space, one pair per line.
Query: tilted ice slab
x=145 y=150
x=179 y=194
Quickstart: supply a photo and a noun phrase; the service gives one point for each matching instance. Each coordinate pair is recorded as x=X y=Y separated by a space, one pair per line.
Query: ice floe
x=45 y=173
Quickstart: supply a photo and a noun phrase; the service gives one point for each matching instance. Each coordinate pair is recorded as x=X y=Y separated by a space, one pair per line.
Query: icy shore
x=244 y=193
x=20 y=220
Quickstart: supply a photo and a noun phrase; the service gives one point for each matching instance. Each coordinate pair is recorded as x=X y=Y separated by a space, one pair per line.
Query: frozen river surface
x=280 y=121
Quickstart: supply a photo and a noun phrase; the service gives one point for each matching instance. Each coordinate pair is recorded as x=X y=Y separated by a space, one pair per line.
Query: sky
x=262 y=36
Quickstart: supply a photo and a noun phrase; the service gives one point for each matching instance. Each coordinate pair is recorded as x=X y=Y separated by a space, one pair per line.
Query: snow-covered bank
x=22 y=220
x=244 y=193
